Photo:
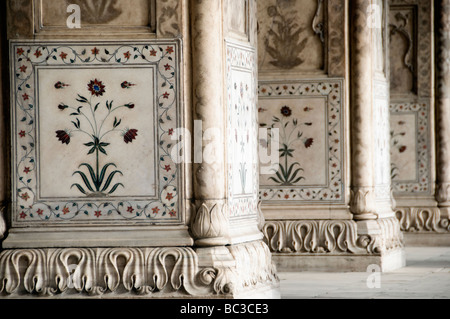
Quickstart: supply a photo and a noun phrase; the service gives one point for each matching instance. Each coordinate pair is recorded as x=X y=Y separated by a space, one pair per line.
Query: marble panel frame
x=28 y=88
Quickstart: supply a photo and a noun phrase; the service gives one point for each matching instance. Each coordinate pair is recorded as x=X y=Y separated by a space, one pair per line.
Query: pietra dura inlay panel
x=309 y=115
x=92 y=129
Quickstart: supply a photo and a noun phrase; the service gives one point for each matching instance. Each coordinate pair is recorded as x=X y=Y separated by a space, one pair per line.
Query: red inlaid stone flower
x=63 y=136
x=130 y=135
x=96 y=87
x=286 y=111
x=309 y=142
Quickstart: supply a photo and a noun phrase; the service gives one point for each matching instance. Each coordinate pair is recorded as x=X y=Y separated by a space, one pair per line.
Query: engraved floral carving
x=400 y=30
x=20 y=19
x=98 y=11
x=361 y=204
x=284 y=42
x=210 y=224
x=336 y=46
x=168 y=24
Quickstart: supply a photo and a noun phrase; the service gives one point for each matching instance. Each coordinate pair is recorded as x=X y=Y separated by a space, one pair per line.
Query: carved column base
x=136 y=272
x=361 y=204
x=209 y=224
x=334 y=245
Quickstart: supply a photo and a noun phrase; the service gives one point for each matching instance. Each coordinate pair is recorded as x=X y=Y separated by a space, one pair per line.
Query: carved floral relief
x=290 y=35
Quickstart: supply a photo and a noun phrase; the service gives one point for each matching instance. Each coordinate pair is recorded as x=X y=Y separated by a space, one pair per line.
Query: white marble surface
x=426 y=276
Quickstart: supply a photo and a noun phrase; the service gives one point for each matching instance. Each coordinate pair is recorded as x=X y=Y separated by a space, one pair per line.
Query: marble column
x=209 y=224
x=371 y=199
x=3 y=141
x=443 y=108
x=361 y=115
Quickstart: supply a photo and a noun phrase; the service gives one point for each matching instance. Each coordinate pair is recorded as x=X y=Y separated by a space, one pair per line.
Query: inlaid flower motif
x=130 y=209
x=171 y=131
x=167 y=67
x=167 y=168
x=26 y=170
x=309 y=142
x=127 y=55
x=60 y=85
x=66 y=210
x=39 y=212
x=63 y=55
x=23 y=215
x=169 y=196
x=153 y=52
x=126 y=85
x=23 y=68
x=25 y=97
x=95 y=51
x=38 y=53
x=22 y=133
x=173 y=213
x=25 y=196
x=20 y=51
x=169 y=50
x=166 y=95
x=130 y=135
x=97 y=213
x=96 y=87
x=286 y=111
x=155 y=210
x=63 y=136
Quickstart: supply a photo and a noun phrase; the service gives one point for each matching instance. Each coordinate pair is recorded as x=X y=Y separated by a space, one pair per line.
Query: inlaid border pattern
x=26 y=57
x=422 y=184
x=332 y=91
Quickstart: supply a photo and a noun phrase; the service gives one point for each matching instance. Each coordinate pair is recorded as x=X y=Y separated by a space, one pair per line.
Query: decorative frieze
x=330 y=237
x=314 y=237
x=422 y=220
x=132 y=272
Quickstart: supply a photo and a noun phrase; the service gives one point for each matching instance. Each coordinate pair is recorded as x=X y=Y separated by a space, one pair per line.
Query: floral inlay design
x=299 y=110
x=98 y=182
x=96 y=126
x=242 y=129
x=289 y=170
x=410 y=152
